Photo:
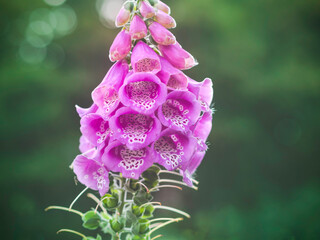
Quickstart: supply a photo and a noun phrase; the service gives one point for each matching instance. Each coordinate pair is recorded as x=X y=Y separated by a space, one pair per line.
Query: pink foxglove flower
x=165 y=19
x=144 y=59
x=146 y=10
x=173 y=149
x=147 y=117
x=95 y=129
x=131 y=163
x=161 y=35
x=172 y=77
x=143 y=92
x=121 y=46
x=134 y=129
x=177 y=56
x=138 y=28
x=92 y=172
x=106 y=96
x=180 y=111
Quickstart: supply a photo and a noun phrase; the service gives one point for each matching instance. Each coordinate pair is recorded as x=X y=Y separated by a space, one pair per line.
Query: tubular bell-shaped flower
x=85 y=146
x=172 y=77
x=106 y=96
x=134 y=129
x=122 y=17
x=144 y=59
x=146 y=10
x=161 y=35
x=138 y=28
x=91 y=172
x=177 y=56
x=173 y=149
x=165 y=19
x=180 y=111
x=189 y=169
x=143 y=92
x=95 y=129
x=121 y=46
x=203 y=91
x=131 y=163
x=202 y=129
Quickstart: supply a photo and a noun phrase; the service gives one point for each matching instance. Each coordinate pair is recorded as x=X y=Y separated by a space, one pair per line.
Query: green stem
x=122 y=194
x=72 y=231
x=64 y=209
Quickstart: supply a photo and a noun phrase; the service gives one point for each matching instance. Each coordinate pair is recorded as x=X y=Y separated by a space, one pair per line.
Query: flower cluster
x=146 y=110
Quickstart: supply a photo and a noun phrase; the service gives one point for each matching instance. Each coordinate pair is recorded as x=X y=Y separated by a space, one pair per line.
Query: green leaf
x=91 y=220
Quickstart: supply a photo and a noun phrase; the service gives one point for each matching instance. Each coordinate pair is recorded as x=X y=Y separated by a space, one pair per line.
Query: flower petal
x=84 y=111
x=95 y=128
x=143 y=92
x=144 y=59
x=134 y=129
x=91 y=173
x=173 y=149
x=131 y=163
x=203 y=91
x=180 y=111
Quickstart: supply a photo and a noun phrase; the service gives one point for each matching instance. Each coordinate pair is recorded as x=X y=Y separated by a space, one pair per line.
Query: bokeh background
x=260 y=178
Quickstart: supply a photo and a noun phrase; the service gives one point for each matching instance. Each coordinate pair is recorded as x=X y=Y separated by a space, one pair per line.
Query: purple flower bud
x=84 y=111
x=146 y=10
x=122 y=17
x=163 y=7
x=180 y=111
x=173 y=149
x=105 y=96
x=203 y=91
x=143 y=92
x=95 y=129
x=172 y=77
x=144 y=59
x=177 y=56
x=161 y=35
x=131 y=163
x=165 y=19
x=91 y=173
x=121 y=46
x=138 y=28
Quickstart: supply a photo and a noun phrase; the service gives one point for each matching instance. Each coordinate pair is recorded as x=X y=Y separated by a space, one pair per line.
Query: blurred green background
x=260 y=178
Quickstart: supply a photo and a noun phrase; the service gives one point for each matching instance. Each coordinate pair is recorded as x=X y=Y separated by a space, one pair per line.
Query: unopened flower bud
x=124 y=14
x=165 y=19
x=110 y=201
x=138 y=28
x=177 y=56
x=161 y=35
x=117 y=224
x=121 y=46
x=153 y=2
x=163 y=7
x=146 y=10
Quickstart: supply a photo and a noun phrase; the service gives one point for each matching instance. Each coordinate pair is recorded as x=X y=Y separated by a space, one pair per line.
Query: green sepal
x=131 y=218
x=93 y=238
x=129 y=5
x=141 y=227
x=111 y=201
x=142 y=197
x=91 y=220
x=151 y=176
x=153 y=2
x=137 y=211
x=133 y=186
x=148 y=211
x=117 y=223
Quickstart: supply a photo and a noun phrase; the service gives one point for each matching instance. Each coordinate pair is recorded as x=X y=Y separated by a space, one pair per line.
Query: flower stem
x=173 y=210
x=165 y=224
x=177 y=182
x=64 y=209
x=72 y=231
x=94 y=198
x=79 y=195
